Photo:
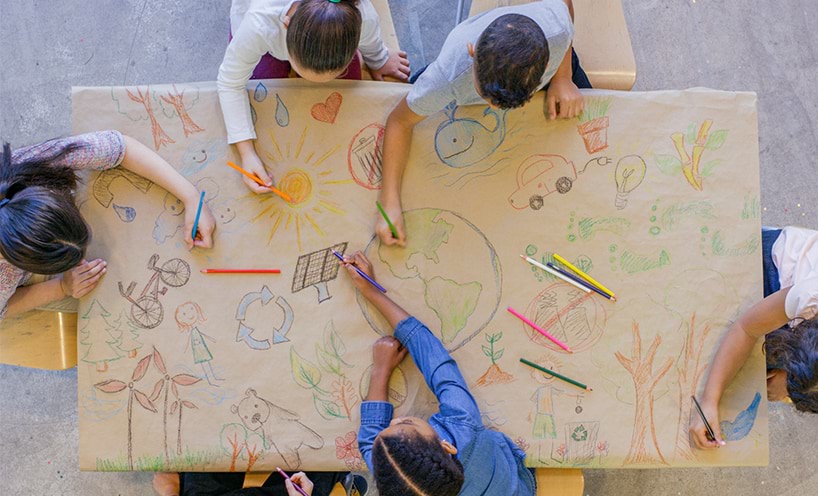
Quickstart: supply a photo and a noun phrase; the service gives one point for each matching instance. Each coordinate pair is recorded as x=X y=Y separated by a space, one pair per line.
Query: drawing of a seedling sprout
x=494 y=375
x=238 y=443
x=114 y=386
x=341 y=399
x=690 y=164
x=170 y=383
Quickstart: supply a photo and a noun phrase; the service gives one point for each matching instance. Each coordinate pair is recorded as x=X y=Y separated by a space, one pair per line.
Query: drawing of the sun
x=307 y=182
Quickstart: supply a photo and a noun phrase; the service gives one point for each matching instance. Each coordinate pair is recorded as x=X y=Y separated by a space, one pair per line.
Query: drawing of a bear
x=263 y=417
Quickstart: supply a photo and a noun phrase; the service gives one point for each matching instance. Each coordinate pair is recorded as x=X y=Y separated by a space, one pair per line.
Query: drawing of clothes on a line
x=188 y=316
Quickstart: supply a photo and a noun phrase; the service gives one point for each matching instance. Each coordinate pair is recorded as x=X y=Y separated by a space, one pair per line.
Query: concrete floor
x=48 y=46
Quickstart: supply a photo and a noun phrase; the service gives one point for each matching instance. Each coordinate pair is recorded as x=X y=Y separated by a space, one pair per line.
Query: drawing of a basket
x=595 y=134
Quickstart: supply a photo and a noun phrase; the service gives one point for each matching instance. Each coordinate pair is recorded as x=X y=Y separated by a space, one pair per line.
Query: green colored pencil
x=558 y=376
x=389 y=222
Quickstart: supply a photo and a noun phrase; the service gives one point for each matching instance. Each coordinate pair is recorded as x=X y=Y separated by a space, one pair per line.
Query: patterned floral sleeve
x=10 y=279
x=98 y=150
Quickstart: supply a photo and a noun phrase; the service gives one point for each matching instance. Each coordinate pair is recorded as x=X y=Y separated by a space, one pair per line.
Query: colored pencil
x=362 y=273
x=710 y=433
x=240 y=271
x=584 y=276
x=388 y=221
x=579 y=281
x=255 y=178
x=198 y=213
x=555 y=273
x=540 y=330
x=558 y=376
x=296 y=486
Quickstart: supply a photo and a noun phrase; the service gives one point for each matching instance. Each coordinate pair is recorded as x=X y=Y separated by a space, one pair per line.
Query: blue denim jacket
x=493 y=464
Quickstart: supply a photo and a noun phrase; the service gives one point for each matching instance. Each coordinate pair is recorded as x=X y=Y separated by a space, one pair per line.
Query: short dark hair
x=510 y=60
x=323 y=36
x=412 y=465
x=41 y=230
x=795 y=350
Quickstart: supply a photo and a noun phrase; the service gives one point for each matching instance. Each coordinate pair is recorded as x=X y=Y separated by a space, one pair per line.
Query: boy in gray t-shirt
x=500 y=57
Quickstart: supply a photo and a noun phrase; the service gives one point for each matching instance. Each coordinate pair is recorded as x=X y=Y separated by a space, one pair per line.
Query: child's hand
x=358 y=259
x=80 y=280
x=253 y=164
x=387 y=353
x=395 y=214
x=302 y=480
x=565 y=94
x=698 y=432
x=397 y=66
x=204 y=232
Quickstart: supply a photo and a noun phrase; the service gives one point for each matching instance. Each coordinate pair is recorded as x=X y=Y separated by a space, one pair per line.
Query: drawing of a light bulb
x=630 y=171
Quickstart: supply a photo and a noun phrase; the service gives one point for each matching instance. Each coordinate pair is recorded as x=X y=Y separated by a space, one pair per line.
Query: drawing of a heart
x=327 y=111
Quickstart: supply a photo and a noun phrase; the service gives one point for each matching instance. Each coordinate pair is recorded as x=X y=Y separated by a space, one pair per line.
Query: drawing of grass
x=594 y=108
x=189 y=460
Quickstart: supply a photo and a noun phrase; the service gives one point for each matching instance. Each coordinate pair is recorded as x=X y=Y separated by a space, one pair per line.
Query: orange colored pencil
x=260 y=182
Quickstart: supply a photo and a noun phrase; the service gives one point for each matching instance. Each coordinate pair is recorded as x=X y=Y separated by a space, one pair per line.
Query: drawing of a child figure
x=188 y=316
x=545 y=425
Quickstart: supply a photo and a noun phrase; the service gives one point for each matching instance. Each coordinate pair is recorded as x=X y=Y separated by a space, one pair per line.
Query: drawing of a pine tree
x=100 y=336
x=128 y=334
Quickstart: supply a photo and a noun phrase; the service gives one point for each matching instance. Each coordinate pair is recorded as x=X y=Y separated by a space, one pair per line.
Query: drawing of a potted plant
x=593 y=124
x=494 y=375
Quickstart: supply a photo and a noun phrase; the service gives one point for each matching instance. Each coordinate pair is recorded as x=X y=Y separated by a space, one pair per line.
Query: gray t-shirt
x=450 y=78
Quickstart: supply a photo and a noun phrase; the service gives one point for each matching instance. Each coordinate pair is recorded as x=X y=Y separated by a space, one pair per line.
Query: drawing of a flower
x=562 y=450
x=522 y=443
x=346 y=448
x=602 y=447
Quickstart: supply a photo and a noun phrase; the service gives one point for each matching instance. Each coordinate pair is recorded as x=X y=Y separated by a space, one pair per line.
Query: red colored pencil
x=240 y=271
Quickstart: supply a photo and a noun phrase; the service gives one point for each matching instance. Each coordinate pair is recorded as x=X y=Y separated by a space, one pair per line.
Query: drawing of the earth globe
x=448 y=275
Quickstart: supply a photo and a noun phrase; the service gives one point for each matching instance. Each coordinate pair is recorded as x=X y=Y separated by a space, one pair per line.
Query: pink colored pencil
x=240 y=271
x=540 y=330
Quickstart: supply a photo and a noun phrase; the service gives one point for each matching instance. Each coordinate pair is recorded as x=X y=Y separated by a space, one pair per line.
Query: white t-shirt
x=795 y=255
x=258 y=28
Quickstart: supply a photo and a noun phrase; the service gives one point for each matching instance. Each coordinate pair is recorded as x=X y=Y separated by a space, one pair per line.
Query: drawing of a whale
x=464 y=142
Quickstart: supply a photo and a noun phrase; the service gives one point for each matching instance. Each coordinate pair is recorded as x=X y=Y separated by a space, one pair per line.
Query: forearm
x=378 y=385
x=29 y=297
x=246 y=148
x=392 y=312
x=730 y=357
x=141 y=160
x=397 y=141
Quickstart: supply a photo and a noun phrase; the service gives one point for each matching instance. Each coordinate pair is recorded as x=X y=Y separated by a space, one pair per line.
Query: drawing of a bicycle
x=147 y=310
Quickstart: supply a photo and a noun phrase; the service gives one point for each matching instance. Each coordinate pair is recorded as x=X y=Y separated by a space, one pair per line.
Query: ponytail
x=323 y=35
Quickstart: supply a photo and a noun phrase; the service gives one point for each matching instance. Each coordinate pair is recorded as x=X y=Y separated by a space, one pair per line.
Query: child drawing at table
x=451 y=453
x=41 y=229
x=319 y=39
x=188 y=316
x=788 y=316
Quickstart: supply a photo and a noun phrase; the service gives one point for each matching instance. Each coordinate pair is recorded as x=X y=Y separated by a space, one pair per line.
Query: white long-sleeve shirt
x=258 y=28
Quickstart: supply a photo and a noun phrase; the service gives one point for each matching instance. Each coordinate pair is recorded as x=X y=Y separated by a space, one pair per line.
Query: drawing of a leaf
x=499 y=336
x=144 y=401
x=185 y=379
x=487 y=351
x=174 y=390
x=669 y=164
x=499 y=354
x=188 y=404
x=327 y=409
x=334 y=343
x=111 y=386
x=157 y=389
x=327 y=361
x=716 y=139
x=173 y=407
x=708 y=168
x=305 y=373
x=141 y=368
x=690 y=136
x=158 y=362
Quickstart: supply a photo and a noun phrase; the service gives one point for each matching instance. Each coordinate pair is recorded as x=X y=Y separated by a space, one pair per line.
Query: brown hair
x=323 y=35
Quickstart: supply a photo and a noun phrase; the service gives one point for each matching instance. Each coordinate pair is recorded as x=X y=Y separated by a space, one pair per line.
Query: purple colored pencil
x=362 y=273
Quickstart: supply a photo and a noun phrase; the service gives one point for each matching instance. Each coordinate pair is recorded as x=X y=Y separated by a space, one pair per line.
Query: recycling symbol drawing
x=245 y=332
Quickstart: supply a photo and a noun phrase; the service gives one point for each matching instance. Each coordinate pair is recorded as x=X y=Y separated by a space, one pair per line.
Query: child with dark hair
x=41 y=229
x=451 y=453
x=788 y=316
x=500 y=57
x=318 y=39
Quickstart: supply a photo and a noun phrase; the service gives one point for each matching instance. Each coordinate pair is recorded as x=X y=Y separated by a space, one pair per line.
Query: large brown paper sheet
x=656 y=195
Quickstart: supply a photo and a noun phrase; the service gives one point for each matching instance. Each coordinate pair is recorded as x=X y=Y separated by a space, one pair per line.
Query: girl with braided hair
x=452 y=453
x=41 y=229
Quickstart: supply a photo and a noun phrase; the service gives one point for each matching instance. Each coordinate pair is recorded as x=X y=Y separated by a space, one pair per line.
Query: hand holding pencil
x=251 y=162
x=358 y=260
x=198 y=214
x=389 y=227
x=700 y=436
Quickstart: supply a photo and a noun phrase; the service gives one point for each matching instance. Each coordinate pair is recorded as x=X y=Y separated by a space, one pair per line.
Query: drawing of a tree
x=645 y=380
x=690 y=370
x=177 y=101
x=237 y=443
x=160 y=137
x=494 y=375
x=100 y=336
x=112 y=386
x=164 y=382
x=128 y=334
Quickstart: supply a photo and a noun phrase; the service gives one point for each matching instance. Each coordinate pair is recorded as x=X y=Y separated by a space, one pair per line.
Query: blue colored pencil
x=362 y=273
x=198 y=213
x=579 y=281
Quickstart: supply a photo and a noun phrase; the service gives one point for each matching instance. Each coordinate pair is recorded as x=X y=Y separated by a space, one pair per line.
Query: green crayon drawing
x=632 y=263
x=690 y=164
x=494 y=375
x=453 y=303
x=752 y=207
x=588 y=227
x=746 y=247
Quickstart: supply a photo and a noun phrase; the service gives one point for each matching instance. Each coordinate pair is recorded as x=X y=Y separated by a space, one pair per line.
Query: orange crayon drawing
x=160 y=138
x=177 y=100
x=690 y=369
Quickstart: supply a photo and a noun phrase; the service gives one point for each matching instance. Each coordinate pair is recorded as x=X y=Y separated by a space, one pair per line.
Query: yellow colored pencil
x=585 y=276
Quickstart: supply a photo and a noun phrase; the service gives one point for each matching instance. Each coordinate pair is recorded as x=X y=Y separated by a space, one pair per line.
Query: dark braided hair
x=795 y=350
x=323 y=36
x=510 y=59
x=408 y=464
x=41 y=230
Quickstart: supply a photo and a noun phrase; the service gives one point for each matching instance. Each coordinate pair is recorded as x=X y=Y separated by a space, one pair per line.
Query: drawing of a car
x=539 y=176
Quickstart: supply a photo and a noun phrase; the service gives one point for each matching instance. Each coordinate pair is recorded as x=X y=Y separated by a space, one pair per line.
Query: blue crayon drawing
x=201 y=153
x=260 y=93
x=743 y=424
x=126 y=214
x=282 y=114
x=464 y=142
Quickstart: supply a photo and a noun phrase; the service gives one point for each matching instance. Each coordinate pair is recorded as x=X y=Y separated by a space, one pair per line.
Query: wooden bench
x=39 y=339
